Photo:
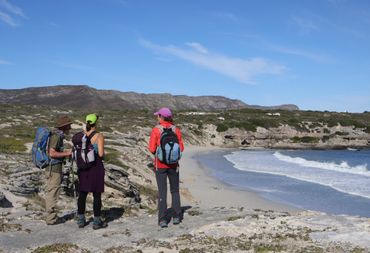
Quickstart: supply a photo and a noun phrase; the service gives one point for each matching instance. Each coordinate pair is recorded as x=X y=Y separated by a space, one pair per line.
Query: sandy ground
x=216 y=213
x=201 y=189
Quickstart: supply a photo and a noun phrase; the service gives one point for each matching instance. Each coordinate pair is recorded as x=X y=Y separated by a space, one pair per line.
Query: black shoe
x=81 y=221
x=163 y=224
x=176 y=220
x=98 y=223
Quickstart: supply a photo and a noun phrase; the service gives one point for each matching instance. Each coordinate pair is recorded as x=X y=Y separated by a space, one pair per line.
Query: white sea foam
x=342 y=167
x=342 y=177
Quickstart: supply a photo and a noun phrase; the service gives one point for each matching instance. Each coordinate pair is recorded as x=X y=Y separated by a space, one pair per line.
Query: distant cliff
x=72 y=96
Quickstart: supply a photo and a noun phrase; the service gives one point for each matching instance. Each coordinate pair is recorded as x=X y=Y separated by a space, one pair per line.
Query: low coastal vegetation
x=60 y=247
x=305 y=139
x=10 y=145
x=19 y=122
x=250 y=119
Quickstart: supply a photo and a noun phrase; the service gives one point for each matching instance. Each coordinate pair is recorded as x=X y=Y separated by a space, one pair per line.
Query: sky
x=312 y=53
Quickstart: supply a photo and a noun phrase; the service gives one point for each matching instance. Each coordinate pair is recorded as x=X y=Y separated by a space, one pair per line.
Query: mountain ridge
x=71 y=96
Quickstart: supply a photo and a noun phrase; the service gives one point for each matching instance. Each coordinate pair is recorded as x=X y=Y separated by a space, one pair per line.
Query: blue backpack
x=168 y=151
x=40 y=147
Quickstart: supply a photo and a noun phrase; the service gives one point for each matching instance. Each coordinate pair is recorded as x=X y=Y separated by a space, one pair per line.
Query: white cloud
x=7 y=19
x=265 y=44
x=226 y=15
x=9 y=13
x=312 y=22
x=242 y=70
x=120 y=2
x=305 y=25
x=12 y=8
x=337 y=1
x=3 y=62
x=319 y=58
x=53 y=24
x=198 y=47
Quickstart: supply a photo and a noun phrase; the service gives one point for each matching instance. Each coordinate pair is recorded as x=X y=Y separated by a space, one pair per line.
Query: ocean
x=331 y=181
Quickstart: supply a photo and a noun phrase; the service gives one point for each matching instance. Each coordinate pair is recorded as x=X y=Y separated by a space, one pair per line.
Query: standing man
x=163 y=169
x=53 y=172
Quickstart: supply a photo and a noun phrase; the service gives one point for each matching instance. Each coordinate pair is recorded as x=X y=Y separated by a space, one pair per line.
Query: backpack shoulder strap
x=58 y=136
x=48 y=143
x=160 y=127
x=92 y=135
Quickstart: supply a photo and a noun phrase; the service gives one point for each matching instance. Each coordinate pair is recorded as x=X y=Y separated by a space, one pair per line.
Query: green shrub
x=305 y=139
x=57 y=247
x=264 y=122
x=151 y=193
x=332 y=123
x=341 y=133
x=11 y=145
x=351 y=122
x=293 y=121
x=222 y=127
x=112 y=157
x=244 y=125
x=325 y=138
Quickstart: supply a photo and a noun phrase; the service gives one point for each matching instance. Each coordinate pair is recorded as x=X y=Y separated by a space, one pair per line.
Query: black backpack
x=168 y=151
x=83 y=150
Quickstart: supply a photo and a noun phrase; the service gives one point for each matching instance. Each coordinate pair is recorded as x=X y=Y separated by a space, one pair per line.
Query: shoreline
x=199 y=188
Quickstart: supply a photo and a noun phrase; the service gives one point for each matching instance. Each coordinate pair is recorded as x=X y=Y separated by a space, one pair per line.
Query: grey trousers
x=173 y=176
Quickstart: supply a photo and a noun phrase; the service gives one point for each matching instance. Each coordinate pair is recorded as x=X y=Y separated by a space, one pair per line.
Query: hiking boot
x=176 y=220
x=163 y=224
x=99 y=223
x=81 y=221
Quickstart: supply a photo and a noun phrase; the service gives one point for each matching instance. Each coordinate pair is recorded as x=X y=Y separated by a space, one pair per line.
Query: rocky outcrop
x=216 y=229
x=77 y=96
x=285 y=136
x=19 y=176
x=117 y=178
x=4 y=202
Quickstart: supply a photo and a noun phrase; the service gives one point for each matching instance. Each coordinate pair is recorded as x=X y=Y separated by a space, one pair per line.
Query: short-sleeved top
x=56 y=142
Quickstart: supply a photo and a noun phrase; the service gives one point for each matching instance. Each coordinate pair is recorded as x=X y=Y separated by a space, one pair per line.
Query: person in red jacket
x=163 y=170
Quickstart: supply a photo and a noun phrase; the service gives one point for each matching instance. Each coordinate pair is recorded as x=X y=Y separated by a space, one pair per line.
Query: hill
x=78 y=96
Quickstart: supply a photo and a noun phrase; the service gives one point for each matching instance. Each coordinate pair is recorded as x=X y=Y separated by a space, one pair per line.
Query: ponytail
x=89 y=126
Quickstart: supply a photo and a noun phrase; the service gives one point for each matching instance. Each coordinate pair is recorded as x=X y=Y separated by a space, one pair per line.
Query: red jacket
x=154 y=142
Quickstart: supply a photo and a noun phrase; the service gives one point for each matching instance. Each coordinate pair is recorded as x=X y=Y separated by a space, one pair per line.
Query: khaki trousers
x=53 y=185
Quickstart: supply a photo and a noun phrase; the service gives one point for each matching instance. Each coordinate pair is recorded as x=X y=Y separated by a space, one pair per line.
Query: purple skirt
x=92 y=180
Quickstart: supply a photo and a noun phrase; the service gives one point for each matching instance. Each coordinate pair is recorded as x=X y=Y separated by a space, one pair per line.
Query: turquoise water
x=335 y=181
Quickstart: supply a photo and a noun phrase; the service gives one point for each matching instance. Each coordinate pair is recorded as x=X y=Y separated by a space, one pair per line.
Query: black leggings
x=82 y=203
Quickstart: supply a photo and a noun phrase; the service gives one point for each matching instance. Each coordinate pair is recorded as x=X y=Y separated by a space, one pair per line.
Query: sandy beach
x=199 y=188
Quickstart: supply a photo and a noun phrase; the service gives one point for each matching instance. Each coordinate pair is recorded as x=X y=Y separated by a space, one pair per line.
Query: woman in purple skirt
x=92 y=179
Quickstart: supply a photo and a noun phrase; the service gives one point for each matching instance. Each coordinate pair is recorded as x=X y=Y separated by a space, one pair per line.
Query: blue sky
x=312 y=53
